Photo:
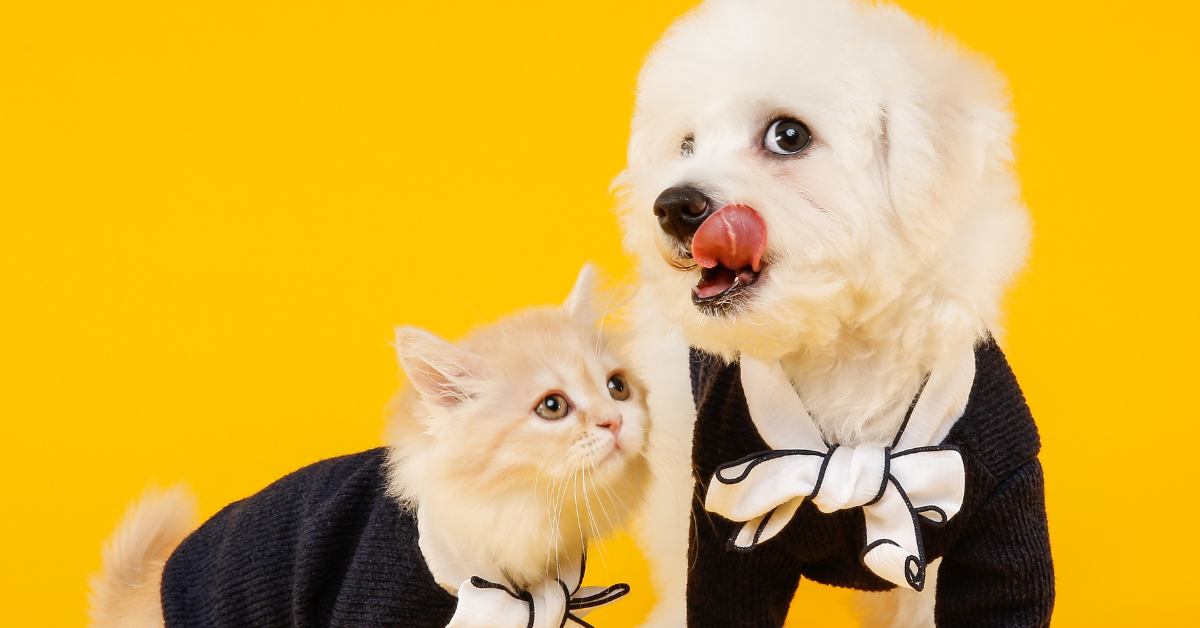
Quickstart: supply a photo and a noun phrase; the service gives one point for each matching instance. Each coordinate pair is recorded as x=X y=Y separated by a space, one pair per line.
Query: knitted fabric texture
x=996 y=568
x=324 y=546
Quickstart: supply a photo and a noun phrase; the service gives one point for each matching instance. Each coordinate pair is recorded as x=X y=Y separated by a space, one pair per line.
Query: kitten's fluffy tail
x=125 y=594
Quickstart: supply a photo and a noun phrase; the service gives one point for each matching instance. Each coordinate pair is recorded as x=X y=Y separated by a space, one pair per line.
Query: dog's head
x=799 y=168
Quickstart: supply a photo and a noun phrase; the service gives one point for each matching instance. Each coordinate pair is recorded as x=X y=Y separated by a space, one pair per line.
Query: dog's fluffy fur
x=891 y=239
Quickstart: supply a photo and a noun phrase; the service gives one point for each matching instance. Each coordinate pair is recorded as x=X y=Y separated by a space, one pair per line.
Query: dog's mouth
x=729 y=248
x=720 y=282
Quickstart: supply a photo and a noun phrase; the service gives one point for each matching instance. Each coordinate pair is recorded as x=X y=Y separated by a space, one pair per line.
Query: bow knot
x=894 y=485
x=852 y=477
x=486 y=604
x=483 y=602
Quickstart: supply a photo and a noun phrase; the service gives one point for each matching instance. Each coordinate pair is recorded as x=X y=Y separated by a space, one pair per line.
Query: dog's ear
x=446 y=376
x=582 y=302
x=937 y=143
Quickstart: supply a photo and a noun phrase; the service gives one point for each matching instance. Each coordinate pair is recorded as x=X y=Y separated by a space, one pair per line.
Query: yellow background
x=212 y=213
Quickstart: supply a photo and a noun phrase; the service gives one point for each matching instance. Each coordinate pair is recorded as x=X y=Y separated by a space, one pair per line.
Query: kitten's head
x=538 y=414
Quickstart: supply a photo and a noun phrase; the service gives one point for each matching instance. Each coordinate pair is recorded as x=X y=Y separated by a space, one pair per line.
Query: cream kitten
x=525 y=439
x=515 y=446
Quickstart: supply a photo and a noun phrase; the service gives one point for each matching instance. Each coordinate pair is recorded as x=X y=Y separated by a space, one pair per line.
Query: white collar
x=895 y=484
x=784 y=422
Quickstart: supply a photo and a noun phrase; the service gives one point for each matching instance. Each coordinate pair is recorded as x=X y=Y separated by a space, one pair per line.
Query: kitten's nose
x=612 y=424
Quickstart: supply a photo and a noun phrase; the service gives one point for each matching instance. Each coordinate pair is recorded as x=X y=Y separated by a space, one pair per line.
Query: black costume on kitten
x=324 y=546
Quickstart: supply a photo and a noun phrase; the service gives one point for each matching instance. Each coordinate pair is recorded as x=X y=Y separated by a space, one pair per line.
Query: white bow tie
x=484 y=602
x=894 y=484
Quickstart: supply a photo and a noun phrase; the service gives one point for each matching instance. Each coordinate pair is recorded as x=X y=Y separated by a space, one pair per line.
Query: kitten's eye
x=687 y=146
x=618 y=388
x=552 y=407
x=787 y=136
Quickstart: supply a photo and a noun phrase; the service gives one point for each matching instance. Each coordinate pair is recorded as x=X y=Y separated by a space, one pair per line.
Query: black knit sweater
x=324 y=546
x=996 y=568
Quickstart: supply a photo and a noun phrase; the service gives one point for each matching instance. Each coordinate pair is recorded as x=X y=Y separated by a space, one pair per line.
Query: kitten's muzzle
x=680 y=211
x=612 y=424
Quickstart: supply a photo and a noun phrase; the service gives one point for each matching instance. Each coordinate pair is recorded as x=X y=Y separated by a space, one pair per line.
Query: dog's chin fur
x=890 y=240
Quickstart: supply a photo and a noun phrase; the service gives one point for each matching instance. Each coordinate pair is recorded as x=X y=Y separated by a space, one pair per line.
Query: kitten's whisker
x=469 y=309
x=656 y=437
x=568 y=478
x=617 y=501
x=562 y=495
x=575 y=491
x=549 y=520
x=596 y=533
x=611 y=525
x=552 y=513
x=629 y=513
x=590 y=478
x=585 y=464
x=607 y=310
x=587 y=502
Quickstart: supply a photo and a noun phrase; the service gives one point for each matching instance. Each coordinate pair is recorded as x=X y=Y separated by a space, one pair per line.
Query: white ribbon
x=485 y=602
x=913 y=477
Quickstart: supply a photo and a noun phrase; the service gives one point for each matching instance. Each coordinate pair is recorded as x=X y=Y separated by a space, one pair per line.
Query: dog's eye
x=687 y=146
x=787 y=136
x=552 y=407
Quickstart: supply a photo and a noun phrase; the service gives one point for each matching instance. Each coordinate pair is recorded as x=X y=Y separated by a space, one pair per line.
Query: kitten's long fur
x=511 y=490
x=125 y=593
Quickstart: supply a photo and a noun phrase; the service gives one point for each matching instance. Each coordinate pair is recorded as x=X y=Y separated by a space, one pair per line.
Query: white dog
x=826 y=187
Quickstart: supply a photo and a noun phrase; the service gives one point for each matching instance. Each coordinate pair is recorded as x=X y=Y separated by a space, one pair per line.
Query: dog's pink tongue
x=734 y=237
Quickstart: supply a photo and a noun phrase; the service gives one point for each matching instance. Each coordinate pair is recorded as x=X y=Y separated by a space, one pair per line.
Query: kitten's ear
x=581 y=303
x=443 y=374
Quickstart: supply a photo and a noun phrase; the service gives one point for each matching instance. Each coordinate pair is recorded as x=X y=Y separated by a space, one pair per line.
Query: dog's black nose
x=681 y=210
